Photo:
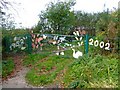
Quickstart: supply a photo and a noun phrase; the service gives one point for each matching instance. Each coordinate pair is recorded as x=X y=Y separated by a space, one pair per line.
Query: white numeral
x=96 y=43
x=107 y=46
x=101 y=44
x=91 y=41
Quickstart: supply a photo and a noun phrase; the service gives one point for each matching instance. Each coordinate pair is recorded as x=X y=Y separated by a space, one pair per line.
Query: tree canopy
x=57 y=18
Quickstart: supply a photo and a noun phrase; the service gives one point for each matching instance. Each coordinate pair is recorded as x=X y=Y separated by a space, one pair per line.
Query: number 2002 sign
x=101 y=44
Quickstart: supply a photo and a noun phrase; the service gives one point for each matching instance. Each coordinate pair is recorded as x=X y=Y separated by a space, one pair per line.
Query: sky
x=28 y=10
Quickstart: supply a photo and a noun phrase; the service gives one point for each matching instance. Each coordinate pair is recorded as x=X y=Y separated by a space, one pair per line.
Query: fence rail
x=28 y=42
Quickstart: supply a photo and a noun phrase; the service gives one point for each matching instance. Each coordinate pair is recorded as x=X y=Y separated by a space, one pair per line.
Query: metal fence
x=29 y=42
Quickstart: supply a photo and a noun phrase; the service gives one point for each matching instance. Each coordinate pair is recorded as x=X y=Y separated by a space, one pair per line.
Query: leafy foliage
x=89 y=70
x=85 y=19
x=86 y=72
x=58 y=17
x=7 y=67
x=31 y=59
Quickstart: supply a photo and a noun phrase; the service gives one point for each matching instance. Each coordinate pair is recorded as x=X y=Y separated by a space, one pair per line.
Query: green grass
x=44 y=73
x=7 y=67
x=32 y=59
x=92 y=71
x=49 y=48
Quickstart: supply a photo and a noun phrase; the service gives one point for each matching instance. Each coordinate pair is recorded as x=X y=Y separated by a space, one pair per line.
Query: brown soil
x=18 y=66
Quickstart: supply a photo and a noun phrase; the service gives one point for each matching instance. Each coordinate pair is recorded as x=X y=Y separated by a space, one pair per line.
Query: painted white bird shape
x=77 y=54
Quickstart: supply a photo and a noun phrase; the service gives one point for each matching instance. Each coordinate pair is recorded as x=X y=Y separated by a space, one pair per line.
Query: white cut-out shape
x=77 y=32
x=96 y=43
x=54 y=42
x=44 y=36
x=62 y=39
x=73 y=46
x=62 y=53
x=79 y=44
x=101 y=44
x=66 y=44
x=22 y=48
x=82 y=43
x=34 y=36
x=107 y=46
x=77 y=54
x=32 y=40
x=10 y=47
x=38 y=35
x=55 y=37
x=31 y=31
x=57 y=53
x=80 y=38
x=74 y=33
x=24 y=38
x=15 y=38
x=70 y=45
x=76 y=38
x=22 y=41
x=17 y=44
x=91 y=41
x=58 y=47
x=13 y=44
x=64 y=48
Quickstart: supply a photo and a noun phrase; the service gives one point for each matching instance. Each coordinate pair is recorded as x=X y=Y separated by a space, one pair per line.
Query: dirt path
x=17 y=77
x=18 y=81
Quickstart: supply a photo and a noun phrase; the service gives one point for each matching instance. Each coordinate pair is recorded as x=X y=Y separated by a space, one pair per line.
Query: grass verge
x=32 y=59
x=7 y=67
x=92 y=71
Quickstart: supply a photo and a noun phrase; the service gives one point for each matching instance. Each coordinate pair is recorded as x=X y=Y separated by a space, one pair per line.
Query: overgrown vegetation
x=7 y=67
x=86 y=72
x=46 y=70
x=32 y=59
x=98 y=69
x=92 y=72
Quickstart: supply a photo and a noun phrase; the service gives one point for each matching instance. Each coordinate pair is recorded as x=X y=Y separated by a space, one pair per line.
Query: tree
x=58 y=17
x=7 y=22
x=103 y=21
x=83 y=19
